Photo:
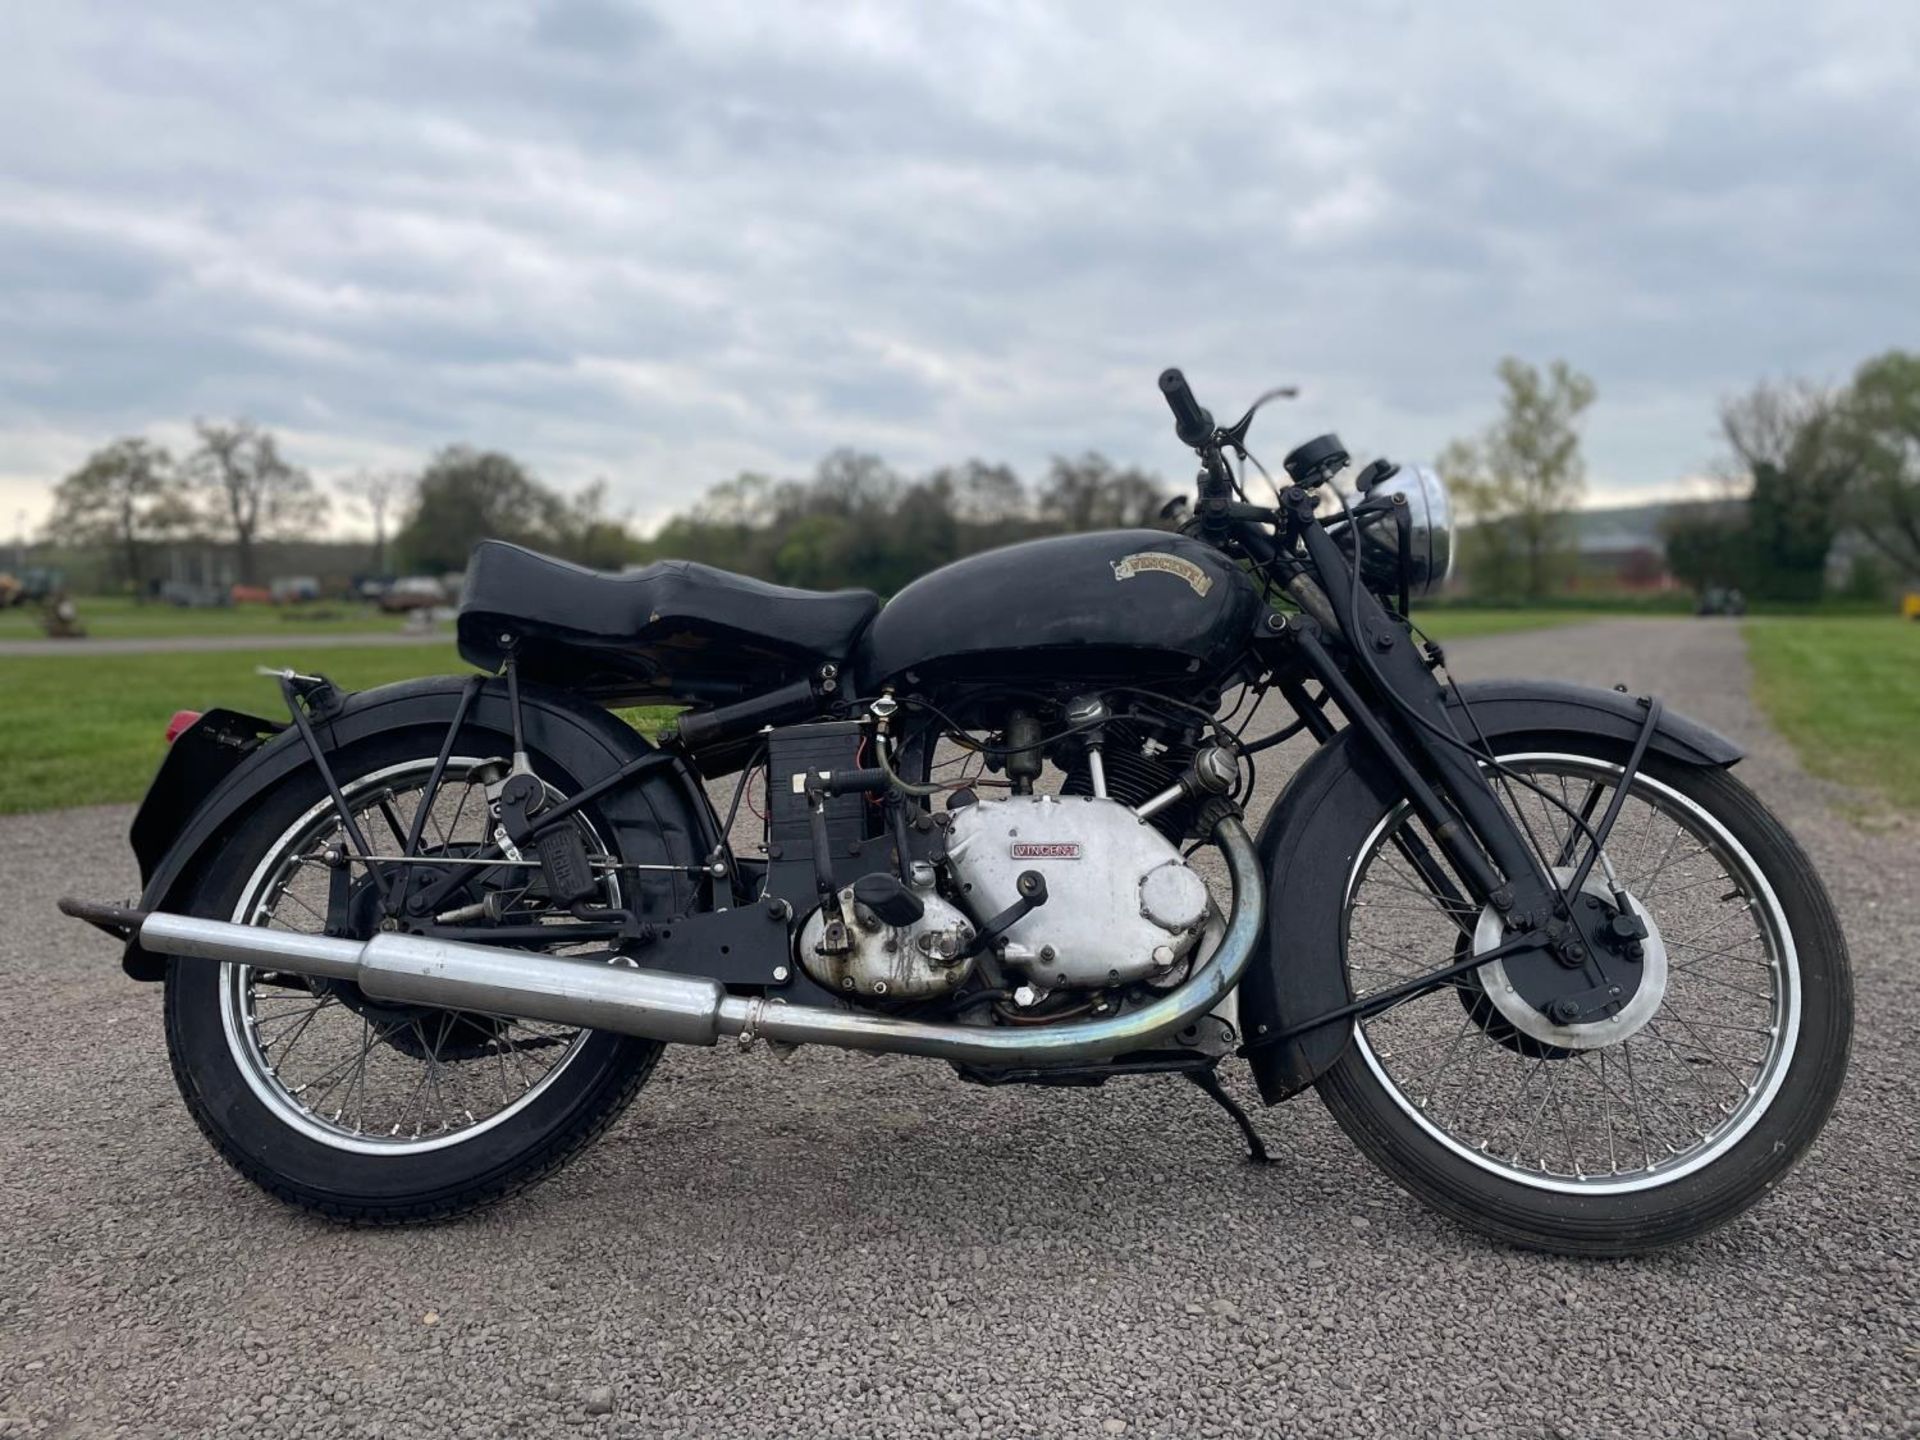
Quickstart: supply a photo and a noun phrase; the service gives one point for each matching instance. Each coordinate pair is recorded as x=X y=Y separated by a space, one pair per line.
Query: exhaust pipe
x=687 y=1010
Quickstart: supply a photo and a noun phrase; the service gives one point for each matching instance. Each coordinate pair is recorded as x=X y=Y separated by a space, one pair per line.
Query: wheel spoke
x=354 y=1072
x=1659 y=1096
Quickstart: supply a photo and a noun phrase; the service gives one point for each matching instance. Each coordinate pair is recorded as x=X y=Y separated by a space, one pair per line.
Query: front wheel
x=1652 y=1127
x=355 y=1108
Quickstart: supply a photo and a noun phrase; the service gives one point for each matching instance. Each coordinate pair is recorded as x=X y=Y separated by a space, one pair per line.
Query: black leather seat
x=672 y=615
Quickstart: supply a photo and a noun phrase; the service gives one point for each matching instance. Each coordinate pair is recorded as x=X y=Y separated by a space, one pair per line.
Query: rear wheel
x=1620 y=1136
x=359 y=1109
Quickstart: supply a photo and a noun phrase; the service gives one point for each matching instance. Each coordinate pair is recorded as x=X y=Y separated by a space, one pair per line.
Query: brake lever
x=1236 y=433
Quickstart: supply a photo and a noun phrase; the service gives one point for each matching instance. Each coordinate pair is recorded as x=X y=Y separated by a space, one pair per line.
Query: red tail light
x=182 y=721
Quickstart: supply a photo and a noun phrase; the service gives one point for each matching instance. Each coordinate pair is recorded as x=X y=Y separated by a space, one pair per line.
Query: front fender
x=1315 y=831
x=171 y=831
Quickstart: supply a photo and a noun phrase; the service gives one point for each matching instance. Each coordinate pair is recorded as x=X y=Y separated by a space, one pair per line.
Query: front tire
x=1577 y=1151
x=373 y=1124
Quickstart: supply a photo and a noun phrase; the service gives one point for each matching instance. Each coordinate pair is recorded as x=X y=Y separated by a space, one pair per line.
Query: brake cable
x=1380 y=1001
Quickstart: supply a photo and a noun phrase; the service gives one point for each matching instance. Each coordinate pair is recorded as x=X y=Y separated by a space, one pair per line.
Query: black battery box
x=793 y=753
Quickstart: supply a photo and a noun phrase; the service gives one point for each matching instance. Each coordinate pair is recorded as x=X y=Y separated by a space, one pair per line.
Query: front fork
x=1443 y=779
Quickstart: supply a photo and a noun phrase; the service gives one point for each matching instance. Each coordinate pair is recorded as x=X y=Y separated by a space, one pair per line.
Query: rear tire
x=329 y=1169
x=1643 y=1211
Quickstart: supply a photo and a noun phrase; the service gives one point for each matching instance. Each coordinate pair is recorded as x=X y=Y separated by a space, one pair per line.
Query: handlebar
x=1220 y=520
x=1192 y=422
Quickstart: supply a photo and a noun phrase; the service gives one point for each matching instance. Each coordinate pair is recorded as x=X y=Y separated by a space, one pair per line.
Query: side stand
x=1209 y=1082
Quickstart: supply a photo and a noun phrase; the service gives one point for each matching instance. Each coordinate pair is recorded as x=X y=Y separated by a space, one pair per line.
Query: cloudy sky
x=663 y=244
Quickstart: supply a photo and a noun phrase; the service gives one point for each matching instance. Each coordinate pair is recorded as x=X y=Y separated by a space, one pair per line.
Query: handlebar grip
x=1192 y=422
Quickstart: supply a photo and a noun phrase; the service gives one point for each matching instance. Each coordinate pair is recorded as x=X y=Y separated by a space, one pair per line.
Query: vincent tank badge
x=1167 y=564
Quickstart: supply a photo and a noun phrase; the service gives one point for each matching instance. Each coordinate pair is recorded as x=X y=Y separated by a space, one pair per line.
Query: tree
x=589 y=534
x=1795 y=444
x=737 y=504
x=814 y=553
x=254 y=493
x=852 y=482
x=1708 y=545
x=1525 y=474
x=982 y=494
x=856 y=521
x=126 y=496
x=467 y=495
x=1883 y=414
x=374 y=493
x=1091 y=494
x=1489 y=546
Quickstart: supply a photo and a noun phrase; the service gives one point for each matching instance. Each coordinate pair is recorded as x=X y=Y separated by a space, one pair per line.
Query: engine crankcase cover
x=1121 y=903
x=874 y=960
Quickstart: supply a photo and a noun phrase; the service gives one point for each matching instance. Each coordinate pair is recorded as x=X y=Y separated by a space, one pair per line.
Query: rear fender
x=667 y=811
x=1315 y=832
x=198 y=762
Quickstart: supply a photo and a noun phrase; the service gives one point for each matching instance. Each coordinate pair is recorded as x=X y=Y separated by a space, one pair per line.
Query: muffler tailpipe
x=687 y=1010
x=451 y=975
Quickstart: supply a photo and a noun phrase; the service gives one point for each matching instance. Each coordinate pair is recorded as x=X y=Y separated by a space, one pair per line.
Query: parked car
x=294 y=589
x=413 y=592
x=191 y=596
x=1719 y=600
x=33 y=584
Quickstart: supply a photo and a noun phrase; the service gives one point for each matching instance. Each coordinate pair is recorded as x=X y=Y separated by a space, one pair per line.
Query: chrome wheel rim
x=355 y=1075
x=1648 y=1111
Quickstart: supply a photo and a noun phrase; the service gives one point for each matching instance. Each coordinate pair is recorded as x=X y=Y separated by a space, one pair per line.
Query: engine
x=1140 y=762
x=1082 y=894
x=1122 y=906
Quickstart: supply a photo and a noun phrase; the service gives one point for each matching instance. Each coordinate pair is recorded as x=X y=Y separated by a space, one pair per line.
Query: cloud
x=664 y=244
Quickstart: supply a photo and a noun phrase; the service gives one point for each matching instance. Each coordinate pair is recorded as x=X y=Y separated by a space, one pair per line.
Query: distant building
x=193 y=572
x=1619 y=548
x=1622 y=549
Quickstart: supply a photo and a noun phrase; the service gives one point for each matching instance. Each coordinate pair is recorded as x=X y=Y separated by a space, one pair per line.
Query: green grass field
x=91 y=732
x=1846 y=694
x=116 y=617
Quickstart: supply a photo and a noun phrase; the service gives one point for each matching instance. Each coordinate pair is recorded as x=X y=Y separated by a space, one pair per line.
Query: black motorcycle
x=1545 y=959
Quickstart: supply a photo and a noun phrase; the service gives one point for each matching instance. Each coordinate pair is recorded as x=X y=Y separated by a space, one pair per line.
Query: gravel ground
x=842 y=1245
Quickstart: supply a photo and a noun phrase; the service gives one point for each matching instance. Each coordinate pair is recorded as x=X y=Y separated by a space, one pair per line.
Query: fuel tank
x=1119 y=605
